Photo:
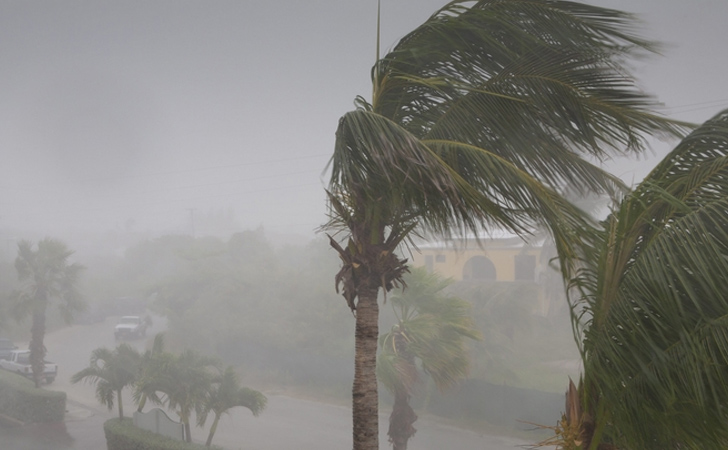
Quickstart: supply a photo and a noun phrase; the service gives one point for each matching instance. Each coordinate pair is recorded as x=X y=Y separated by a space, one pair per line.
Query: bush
x=123 y=435
x=21 y=400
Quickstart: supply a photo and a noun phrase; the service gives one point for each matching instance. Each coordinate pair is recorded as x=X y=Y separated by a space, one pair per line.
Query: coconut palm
x=478 y=118
x=429 y=336
x=225 y=394
x=45 y=276
x=181 y=383
x=111 y=371
x=651 y=309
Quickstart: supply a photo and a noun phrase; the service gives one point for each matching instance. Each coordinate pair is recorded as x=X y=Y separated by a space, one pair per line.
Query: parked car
x=6 y=346
x=19 y=362
x=131 y=327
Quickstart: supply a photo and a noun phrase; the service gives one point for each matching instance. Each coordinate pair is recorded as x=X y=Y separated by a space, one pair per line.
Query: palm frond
x=656 y=323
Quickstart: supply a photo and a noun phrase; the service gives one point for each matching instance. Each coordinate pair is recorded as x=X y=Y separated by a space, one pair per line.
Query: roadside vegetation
x=46 y=276
x=186 y=383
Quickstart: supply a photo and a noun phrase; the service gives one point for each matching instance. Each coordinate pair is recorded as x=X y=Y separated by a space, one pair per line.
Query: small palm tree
x=225 y=394
x=184 y=381
x=651 y=309
x=45 y=275
x=153 y=363
x=111 y=371
x=478 y=119
x=430 y=334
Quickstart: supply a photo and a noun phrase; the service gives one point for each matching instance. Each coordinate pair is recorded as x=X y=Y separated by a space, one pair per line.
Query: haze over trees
x=478 y=119
x=186 y=383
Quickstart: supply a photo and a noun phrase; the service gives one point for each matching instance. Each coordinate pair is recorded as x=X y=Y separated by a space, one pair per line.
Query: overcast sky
x=141 y=114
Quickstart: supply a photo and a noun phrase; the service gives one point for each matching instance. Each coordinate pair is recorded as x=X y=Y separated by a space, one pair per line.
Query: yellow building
x=501 y=258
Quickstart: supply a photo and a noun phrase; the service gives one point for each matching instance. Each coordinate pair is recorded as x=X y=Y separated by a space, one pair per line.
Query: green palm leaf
x=111 y=371
x=479 y=118
x=655 y=328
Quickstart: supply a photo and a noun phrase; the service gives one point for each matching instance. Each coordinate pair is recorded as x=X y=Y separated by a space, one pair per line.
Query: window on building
x=429 y=262
x=525 y=269
x=440 y=258
x=479 y=268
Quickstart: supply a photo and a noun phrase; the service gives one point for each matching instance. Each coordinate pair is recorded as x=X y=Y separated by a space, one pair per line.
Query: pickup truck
x=130 y=327
x=19 y=362
x=6 y=347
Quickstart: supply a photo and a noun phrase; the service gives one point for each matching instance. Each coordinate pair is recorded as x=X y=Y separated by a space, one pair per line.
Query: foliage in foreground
x=20 y=400
x=478 y=119
x=121 y=434
x=651 y=309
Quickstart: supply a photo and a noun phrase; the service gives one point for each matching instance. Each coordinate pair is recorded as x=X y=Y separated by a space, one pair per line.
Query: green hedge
x=21 y=400
x=123 y=435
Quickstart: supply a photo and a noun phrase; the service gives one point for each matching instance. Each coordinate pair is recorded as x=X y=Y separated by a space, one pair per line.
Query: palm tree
x=184 y=381
x=225 y=394
x=153 y=364
x=478 y=119
x=430 y=334
x=45 y=275
x=651 y=310
x=111 y=371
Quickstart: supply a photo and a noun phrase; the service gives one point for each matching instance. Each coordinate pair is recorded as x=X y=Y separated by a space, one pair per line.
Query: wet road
x=287 y=423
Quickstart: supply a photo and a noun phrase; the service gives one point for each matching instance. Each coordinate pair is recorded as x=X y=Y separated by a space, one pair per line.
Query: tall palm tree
x=651 y=309
x=111 y=371
x=225 y=394
x=45 y=276
x=478 y=118
x=183 y=381
x=430 y=335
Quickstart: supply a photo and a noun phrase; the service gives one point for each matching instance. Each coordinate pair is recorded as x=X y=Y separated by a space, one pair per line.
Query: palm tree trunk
x=36 y=347
x=188 y=431
x=213 y=428
x=142 y=402
x=400 y=421
x=121 y=407
x=365 y=408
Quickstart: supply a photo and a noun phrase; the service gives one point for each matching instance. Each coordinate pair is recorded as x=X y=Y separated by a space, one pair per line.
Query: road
x=287 y=422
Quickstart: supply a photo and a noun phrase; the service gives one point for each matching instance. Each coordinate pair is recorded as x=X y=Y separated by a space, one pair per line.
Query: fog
x=149 y=116
x=161 y=140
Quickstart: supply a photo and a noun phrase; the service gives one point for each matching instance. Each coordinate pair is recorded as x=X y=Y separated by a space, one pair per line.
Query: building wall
x=458 y=264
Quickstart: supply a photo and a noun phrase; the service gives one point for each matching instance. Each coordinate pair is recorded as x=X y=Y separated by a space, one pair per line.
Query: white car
x=19 y=362
x=130 y=327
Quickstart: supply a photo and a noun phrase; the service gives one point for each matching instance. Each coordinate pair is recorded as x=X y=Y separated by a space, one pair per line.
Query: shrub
x=21 y=400
x=123 y=435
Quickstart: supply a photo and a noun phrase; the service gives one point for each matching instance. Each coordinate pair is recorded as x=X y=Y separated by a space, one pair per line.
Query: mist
x=180 y=150
x=141 y=116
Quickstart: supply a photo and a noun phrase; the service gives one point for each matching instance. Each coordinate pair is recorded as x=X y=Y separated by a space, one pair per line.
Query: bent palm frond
x=656 y=330
x=485 y=112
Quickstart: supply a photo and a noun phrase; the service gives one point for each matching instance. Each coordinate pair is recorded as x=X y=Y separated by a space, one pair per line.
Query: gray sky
x=131 y=114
